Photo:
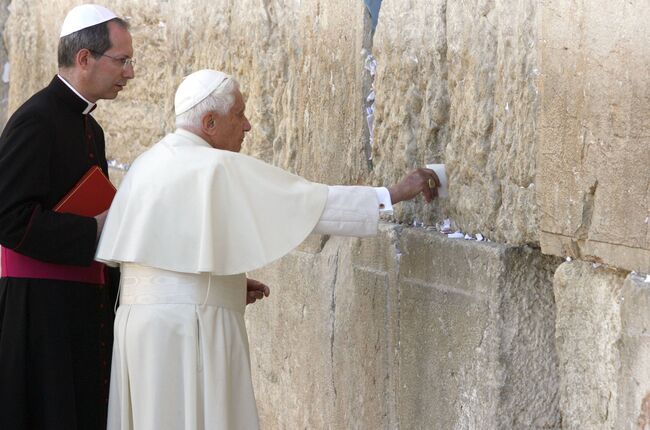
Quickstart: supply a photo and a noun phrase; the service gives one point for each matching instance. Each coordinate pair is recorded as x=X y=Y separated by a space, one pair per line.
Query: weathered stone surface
x=291 y=340
x=587 y=329
x=456 y=85
x=298 y=63
x=603 y=346
x=634 y=371
x=327 y=359
x=4 y=64
x=363 y=338
x=382 y=333
x=411 y=125
x=593 y=179
x=476 y=335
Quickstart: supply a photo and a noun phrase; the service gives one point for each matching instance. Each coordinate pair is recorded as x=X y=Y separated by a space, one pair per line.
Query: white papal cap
x=196 y=87
x=85 y=16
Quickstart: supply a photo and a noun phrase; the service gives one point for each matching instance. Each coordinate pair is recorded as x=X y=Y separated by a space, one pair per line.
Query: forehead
x=120 y=38
x=239 y=104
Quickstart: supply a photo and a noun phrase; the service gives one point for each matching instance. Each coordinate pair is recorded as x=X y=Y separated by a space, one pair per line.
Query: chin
x=109 y=96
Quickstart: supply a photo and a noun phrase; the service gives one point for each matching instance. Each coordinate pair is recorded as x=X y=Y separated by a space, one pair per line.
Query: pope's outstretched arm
x=354 y=210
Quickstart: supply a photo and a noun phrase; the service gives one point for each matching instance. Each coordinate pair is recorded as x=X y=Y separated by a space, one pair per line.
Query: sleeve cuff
x=383 y=198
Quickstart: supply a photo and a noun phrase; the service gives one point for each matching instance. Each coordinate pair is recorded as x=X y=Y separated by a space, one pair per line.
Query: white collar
x=196 y=139
x=90 y=106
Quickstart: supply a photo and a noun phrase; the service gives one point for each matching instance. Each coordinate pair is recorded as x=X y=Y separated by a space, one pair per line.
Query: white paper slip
x=443 y=191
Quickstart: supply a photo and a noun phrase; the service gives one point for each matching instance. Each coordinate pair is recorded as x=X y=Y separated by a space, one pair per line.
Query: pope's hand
x=418 y=181
x=255 y=290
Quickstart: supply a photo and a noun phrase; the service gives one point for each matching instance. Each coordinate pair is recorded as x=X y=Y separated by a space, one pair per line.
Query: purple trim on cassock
x=15 y=265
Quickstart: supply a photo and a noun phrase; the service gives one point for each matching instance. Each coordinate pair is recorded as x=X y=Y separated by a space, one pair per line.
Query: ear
x=82 y=58
x=208 y=123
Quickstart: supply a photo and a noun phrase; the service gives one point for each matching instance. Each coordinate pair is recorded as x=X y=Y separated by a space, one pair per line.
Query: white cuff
x=385 y=203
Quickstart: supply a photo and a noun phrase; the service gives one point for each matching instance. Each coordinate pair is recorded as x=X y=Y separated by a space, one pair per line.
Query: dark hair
x=94 y=38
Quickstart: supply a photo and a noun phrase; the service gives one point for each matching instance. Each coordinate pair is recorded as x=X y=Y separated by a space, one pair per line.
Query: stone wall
x=603 y=346
x=407 y=330
x=538 y=110
x=456 y=84
x=594 y=181
x=593 y=195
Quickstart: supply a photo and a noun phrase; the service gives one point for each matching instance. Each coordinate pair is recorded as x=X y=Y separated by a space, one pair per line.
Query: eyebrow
x=119 y=54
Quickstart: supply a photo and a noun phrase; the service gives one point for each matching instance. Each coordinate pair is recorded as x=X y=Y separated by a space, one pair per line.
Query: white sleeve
x=353 y=211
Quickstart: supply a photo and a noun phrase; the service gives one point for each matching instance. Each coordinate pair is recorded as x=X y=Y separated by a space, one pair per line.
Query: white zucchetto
x=85 y=16
x=196 y=87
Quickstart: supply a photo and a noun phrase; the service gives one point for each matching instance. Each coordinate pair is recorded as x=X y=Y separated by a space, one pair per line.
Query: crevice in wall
x=373 y=6
x=588 y=198
x=333 y=322
x=369 y=70
x=396 y=242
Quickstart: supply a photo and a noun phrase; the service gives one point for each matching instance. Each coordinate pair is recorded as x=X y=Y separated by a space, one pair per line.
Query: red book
x=91 y=196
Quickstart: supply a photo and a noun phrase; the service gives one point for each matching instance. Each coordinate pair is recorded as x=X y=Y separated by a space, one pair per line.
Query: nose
x=128 y=72
x=247 y=125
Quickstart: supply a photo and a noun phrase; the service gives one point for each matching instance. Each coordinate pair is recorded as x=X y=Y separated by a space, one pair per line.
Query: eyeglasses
x=126 y=62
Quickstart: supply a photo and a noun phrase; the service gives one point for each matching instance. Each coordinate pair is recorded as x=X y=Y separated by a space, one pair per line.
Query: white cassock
x=186 y=224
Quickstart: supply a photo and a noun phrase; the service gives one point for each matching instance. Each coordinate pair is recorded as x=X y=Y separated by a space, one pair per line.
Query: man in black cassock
x=56 y=318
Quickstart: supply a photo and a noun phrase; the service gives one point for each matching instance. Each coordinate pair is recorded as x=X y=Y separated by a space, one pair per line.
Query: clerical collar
x=90 y=107
x=193 y=138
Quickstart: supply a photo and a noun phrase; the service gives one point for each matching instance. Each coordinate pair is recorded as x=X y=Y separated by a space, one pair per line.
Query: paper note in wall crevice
x=443 y=191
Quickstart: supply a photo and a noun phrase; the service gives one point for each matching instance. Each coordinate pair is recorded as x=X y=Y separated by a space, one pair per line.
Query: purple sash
x=15 y=265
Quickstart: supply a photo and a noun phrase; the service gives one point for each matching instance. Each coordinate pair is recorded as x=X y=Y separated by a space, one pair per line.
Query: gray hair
x=220 y=100
x=94 y=38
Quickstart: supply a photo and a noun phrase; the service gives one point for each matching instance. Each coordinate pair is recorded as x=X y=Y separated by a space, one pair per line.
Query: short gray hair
x=94 y=38
x=220 y=100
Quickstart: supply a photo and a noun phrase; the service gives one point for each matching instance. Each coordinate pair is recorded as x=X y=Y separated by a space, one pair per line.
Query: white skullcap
x=196 y=87
x=85 y=16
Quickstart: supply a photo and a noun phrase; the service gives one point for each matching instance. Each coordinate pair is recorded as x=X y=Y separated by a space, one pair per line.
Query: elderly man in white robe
x=191 y=217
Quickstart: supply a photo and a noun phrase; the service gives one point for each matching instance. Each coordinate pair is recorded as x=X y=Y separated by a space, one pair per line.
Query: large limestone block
x=291 y=339
x=408 y=329
x=587 y=329
x=456 y=84
x=594 y=132
x=602 y=341
x=322 y=344
x=323 y=132
x=476 y=336
x=365 y=341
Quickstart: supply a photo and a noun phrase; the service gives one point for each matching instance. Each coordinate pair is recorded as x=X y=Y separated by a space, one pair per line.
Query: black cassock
x=55 y=336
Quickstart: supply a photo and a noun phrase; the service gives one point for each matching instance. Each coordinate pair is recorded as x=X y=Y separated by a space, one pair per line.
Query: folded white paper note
x=443 y=191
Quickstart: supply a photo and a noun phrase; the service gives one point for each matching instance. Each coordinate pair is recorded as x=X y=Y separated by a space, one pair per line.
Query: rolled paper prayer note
x=443 y=191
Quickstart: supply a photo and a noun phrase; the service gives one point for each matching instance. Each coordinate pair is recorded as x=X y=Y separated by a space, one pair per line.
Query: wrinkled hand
x=255 y=290
x=418 y=181
x=101 y=218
